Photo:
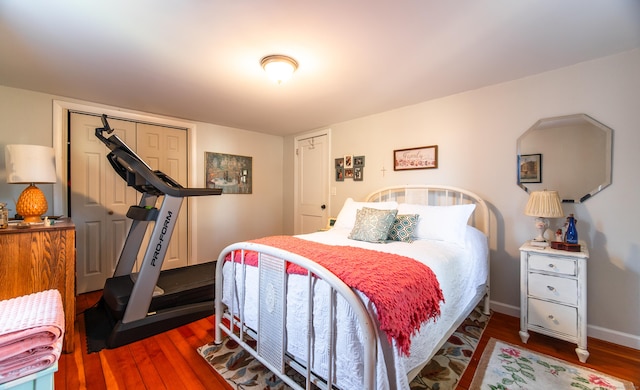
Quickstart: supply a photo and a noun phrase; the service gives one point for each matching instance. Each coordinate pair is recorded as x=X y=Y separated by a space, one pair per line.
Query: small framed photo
x=339 y=166
x=358 y=161
x=530 y=168
x=358 y=173
x=424 y=157
x=348 y=173
x=348 y=161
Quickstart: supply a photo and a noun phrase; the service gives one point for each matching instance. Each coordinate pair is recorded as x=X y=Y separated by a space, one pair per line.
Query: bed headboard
x=436 y=196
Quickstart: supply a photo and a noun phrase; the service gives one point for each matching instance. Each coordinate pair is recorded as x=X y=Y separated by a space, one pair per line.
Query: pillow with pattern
x=372 y=225
x=403 y=227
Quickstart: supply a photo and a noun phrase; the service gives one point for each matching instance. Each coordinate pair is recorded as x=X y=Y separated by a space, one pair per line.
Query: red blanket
x=406 y=293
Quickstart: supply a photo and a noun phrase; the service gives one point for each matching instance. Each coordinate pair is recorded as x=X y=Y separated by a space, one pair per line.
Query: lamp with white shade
x=542 y=205
x=30 y=164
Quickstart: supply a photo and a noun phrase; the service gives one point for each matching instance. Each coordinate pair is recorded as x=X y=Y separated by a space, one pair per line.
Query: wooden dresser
x=40 y=258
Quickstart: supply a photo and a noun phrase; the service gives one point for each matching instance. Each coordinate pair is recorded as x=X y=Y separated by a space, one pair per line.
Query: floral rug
x=443 y=372
x=505 y=366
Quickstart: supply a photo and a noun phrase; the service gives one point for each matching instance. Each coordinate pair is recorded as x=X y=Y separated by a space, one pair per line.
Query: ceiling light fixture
x=278 y=67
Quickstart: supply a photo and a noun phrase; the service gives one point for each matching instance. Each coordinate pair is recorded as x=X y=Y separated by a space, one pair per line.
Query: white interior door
x=165 y=149
x=312 y=182
x=100 y=200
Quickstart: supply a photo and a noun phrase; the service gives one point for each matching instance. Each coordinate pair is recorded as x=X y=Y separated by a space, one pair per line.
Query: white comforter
x=459 y=270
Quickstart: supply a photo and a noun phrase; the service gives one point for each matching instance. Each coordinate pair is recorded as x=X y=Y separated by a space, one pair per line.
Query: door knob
x=323 y=206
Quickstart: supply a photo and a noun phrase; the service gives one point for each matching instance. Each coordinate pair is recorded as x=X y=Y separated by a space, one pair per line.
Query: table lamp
x=542 y=205
x=30 y=164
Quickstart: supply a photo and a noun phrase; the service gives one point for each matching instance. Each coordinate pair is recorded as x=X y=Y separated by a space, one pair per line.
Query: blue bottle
x=571 y=236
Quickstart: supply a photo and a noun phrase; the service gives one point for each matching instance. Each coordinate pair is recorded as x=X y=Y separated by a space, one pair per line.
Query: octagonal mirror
x=569 y=154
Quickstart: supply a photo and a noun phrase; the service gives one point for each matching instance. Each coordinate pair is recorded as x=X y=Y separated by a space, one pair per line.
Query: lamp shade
x=544 y=204
x=30 y=164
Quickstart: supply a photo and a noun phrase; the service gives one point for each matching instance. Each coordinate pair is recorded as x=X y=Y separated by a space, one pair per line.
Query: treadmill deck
x=181 y=286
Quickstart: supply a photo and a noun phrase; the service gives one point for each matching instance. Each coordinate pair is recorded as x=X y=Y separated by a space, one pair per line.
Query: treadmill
x=152 y=301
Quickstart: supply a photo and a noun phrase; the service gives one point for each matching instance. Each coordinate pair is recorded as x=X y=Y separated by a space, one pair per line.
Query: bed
x=331 y=334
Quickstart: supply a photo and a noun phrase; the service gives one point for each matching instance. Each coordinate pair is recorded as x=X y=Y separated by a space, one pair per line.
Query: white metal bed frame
x=271 y=350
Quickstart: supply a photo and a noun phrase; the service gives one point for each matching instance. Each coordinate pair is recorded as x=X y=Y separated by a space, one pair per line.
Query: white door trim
x=60 y=140
x=296 y=168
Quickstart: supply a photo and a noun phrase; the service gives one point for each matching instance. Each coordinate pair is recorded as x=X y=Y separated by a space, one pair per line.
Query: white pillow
x=442 y=223
x=347 y=216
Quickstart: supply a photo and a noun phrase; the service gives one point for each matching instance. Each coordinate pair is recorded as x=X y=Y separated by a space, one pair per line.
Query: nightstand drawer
x=557 y=265
x=553 y=287
x=552 y=316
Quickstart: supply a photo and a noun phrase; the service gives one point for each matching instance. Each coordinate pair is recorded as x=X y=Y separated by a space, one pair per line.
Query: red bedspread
x=406 y=293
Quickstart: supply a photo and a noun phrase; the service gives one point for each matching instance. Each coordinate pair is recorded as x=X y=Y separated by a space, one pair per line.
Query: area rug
x=506 y=366
x=443 y=372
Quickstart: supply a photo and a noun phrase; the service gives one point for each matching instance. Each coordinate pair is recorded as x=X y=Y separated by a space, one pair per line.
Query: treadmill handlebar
x=138 y=174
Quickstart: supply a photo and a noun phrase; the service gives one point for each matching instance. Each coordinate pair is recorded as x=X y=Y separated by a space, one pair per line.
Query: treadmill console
x=138 y=174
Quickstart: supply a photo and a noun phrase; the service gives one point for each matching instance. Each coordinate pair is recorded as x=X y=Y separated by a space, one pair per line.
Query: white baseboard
x=597 y=332
x=613 y=336
x=513 y=311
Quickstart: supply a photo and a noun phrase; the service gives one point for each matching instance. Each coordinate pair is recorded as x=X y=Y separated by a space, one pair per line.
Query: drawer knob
x=551 y=265
x=551 y=288
x=550 y=316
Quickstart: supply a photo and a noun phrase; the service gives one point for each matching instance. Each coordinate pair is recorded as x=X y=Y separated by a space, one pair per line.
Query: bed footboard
x=271 y=332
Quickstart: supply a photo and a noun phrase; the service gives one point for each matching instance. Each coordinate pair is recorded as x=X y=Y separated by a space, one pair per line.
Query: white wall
x=25 y=118
x=476 y=134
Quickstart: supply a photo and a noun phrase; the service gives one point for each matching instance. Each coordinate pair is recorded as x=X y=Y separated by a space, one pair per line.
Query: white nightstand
x=553 y=294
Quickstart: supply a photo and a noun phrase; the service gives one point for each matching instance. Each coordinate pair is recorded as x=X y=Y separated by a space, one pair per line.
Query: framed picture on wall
x=230 y=172
x=530 y=168
x=424 y=157
x=339 y=166
x=358 y=173
x=348 y=173
x=348 y=161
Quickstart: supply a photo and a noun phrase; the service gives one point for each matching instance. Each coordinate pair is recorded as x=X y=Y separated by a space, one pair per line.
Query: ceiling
x=199 y=60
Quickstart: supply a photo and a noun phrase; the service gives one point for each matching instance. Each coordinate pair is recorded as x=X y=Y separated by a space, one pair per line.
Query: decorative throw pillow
x=372 y=225
x=403 y=227
x=347 y=217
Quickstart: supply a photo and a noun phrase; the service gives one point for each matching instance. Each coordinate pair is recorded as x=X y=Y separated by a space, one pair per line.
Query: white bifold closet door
x=100 y=199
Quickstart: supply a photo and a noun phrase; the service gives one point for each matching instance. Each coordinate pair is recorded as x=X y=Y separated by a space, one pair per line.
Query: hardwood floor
x=170 y=361
x=165 y=361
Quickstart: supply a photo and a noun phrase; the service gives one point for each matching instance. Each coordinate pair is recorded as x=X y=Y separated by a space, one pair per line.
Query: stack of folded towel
x=31 y=332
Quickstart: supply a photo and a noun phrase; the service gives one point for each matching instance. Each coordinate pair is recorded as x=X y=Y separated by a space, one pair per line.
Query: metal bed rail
x=272 y=314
